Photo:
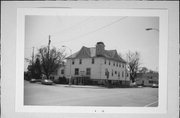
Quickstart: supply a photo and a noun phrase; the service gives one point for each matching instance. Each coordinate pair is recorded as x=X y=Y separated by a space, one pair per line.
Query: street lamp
x=155 y=29
x=70 y=63
x=148 y=29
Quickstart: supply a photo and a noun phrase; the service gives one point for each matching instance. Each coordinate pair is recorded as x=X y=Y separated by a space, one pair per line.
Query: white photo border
x=163 y=59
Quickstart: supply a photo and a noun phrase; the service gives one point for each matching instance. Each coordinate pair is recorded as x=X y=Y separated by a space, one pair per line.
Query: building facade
x=147 y=79
x=96 y=65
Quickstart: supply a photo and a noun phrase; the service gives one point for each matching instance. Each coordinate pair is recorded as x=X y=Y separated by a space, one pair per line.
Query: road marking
x=150 y=104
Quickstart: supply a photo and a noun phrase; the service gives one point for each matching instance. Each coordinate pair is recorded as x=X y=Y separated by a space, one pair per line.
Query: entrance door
x=142 y=83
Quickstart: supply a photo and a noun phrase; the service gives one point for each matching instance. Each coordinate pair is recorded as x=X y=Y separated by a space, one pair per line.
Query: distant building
x=96 y=65
x=60 y=72
x=147 y=79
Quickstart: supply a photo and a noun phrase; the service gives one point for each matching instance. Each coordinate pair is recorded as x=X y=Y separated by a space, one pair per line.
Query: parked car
x=133 y=85
x=155 y=86
x=35 y=80
x=47 y=82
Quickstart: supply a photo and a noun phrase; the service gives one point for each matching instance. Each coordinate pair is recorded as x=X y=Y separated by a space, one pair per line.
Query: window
x=120 y=82
x=112 y=73
x=88 y=71
x=150 y=77
x=119 y=64
x=76 y=71
x=127 y=75
x=80 y=61
x=118 y=74
x=114 y=64
x=123 y=65
x=109 y=63
x=150 y=81
x=107 y=73
x=122 y=74
x=92 y=60
x=105 y=61
x=62 y=71
x=73 y=62
x=115 y=72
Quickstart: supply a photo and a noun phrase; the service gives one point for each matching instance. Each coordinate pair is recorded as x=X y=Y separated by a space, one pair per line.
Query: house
x=147 y=79
x=95 y=65
x=60 y=72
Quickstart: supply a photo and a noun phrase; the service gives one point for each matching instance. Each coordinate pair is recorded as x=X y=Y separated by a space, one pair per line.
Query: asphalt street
x=63 y=95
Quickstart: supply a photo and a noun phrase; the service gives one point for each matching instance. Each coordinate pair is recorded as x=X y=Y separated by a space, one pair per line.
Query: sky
x=117 y=32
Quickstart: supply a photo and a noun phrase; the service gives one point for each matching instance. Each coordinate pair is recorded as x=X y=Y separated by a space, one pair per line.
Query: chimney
x=100 y=49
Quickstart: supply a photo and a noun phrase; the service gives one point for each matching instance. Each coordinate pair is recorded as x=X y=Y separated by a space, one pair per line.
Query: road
x=63 y=95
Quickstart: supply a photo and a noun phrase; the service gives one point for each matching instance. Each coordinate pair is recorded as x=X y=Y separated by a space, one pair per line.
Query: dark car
x=47 y=82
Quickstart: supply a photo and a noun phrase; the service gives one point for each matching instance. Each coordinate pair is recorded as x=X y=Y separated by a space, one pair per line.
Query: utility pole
x=33 y=56
x=49 y=42
x=70 y=78
x=49 y=45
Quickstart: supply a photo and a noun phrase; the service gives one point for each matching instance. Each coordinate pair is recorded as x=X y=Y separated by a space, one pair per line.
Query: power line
x=66 y=29
x=43 y=38
x=88 y=33
x=73 y=26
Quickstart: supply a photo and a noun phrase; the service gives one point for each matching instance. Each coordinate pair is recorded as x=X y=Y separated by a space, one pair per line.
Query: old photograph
x=110 y=61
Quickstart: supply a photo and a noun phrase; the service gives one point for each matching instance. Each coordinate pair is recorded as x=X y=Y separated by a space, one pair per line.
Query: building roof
x=86 y=52
x=148 y=75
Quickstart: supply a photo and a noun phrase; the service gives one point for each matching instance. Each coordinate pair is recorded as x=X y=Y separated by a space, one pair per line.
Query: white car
x=133 y=84
x=155 y=86
x=46 y=82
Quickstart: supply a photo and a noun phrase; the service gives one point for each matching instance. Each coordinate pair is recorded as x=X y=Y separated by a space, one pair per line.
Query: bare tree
x=133 y=61
x=50 y=59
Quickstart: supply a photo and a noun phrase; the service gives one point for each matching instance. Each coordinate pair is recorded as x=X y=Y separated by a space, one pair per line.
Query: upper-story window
x=122 y=74
x=115 y=72
x=109 y=63
x=105 y=61
x=73 y=62
x=119 y=64
x=114 y=64
x=80 y=61
x=92 y=60
x=123 y=65
x=112 y=73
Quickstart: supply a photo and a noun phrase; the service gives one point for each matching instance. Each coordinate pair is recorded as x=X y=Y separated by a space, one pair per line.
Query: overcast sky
x=117 y=32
